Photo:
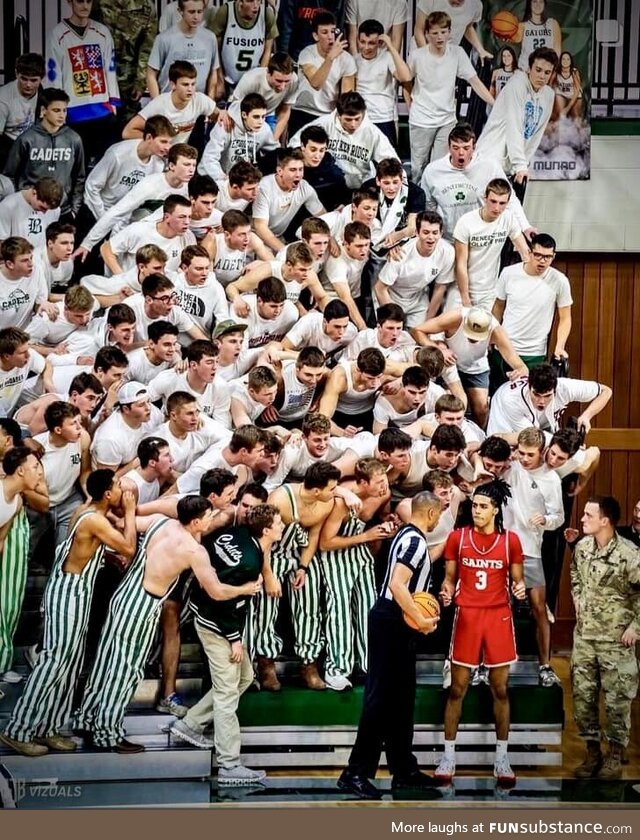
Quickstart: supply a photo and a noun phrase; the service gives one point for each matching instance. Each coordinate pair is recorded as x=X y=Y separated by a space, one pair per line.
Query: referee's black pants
x=389 y=696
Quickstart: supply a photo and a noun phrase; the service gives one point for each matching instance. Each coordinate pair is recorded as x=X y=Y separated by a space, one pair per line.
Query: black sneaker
x=358 y=785
x=414 y=781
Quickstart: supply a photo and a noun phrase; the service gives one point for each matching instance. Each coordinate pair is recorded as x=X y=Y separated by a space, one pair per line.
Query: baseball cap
x=476 y=324
x=131 y=392
x=225 y=327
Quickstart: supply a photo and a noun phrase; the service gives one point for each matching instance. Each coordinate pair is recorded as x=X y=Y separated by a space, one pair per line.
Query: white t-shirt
x=433 y=97
x=485 y=241
x=240 y=393
x=12 y=382
x=409 y=278
x=176 y=316
x=115 y=174
x=376 y=83
x=141 y=369
x=125 y=244
x=215 y=402
x=225 y=202
x=511 y=409
x=454 y=192
x=58 y=275
x=255 y=81
x=344 y=269
x=388 y=12
x=199 y=49
x=401 y=351
x=324 y=100
x=278 y=207
x=308 y=332
x=531 y=306
x=18 y=298
x=182 y=119
x=202 y=303
x=153 y=188
x=17 y=113
x=532 y=492
x=184 y=451
x=18 y=218
x=261 y=330
x=115 y=443
x=461 y=16
x=49 y=332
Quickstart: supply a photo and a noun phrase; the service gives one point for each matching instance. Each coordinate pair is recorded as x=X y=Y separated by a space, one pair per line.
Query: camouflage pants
x=609 y=666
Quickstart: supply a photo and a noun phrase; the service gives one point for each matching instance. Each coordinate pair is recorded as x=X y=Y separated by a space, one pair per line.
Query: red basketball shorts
x=483 y=636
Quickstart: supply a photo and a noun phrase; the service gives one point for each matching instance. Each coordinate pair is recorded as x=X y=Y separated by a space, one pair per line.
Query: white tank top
x=148 y=491
x=292 y=287
x=470 y=358
x=534 y=36
x=297 y=395
x=352 y=401
x=7 y=509
x=62 y=466
x=229 y=262
x=242 y=47
x=502 y=77
x=419 y=464
x=565 y=87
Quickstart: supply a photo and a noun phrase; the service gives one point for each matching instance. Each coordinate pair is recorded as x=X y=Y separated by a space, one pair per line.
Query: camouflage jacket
x=133 y=25
x=605 y=585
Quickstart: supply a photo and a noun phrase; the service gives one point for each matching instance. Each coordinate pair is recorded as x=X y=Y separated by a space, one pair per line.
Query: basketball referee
x=386 y=721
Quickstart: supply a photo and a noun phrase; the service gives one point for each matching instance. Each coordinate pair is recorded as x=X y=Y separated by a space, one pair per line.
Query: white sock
x=450 y=750
x=501 y=749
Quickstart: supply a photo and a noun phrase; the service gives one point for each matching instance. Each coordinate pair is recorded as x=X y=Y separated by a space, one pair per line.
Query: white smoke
x=564 y=153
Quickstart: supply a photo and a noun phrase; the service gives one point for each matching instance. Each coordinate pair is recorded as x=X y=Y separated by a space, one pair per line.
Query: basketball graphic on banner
x=505 y=25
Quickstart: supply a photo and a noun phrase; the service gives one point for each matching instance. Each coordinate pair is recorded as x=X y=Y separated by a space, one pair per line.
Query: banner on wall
x=511 y=30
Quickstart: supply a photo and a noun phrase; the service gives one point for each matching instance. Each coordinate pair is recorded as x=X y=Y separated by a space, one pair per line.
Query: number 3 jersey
x=483 y=562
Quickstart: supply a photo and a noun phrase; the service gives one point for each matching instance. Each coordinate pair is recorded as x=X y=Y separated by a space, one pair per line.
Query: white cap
x=131 y=392
x=476 y=324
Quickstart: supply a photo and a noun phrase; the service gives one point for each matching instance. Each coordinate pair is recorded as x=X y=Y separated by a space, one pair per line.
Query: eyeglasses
x=165 y=298
x=542 y=257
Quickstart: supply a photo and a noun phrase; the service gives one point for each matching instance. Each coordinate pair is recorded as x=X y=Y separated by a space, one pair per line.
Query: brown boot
x=612 y=767
x=311 y=678
x=592 y=763
x=267 y=676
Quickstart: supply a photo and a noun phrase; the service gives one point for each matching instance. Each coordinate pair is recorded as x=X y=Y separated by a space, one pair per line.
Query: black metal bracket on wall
x=8 y=45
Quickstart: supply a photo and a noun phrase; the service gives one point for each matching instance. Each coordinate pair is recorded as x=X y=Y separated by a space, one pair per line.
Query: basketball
x=428 y=606
x=505 y=25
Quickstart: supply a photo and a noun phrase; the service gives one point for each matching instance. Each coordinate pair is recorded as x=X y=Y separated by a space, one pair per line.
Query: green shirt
x=237 y=558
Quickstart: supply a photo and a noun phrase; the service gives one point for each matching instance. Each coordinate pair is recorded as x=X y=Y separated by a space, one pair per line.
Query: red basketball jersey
x=483 y=565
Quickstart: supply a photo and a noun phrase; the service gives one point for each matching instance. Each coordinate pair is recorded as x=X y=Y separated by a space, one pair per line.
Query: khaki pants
x=229 y=680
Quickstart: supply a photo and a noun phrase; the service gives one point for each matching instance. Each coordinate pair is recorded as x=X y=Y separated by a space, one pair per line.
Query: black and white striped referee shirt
x=409 y=548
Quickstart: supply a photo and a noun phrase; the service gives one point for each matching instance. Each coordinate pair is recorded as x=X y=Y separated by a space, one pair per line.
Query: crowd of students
x=236 y=343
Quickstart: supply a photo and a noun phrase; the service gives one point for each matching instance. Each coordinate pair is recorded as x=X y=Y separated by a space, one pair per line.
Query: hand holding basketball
x=504 y=25
x=429 y=608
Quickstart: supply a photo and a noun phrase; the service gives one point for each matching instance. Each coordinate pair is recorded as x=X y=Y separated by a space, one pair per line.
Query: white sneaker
x=11 y=677
x=547 y=677
x=475 y=676
x=187 y=733
x=483 y=674
x=446 y=674
x=337 y=682
x=240 y=775
x=503 y=772
x=550 y=616
x=446 y=769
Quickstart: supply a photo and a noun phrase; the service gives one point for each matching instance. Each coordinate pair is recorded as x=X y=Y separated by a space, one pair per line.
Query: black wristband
x=303 y=567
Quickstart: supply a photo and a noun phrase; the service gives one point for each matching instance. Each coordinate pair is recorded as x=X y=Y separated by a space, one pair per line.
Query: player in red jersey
x=480 y=563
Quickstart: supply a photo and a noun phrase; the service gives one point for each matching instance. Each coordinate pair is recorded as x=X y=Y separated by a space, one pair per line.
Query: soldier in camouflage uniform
x=605 y=585
x=133 y=25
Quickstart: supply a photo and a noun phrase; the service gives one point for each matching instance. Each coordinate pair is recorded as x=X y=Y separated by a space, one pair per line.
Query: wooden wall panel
x=605 y=345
